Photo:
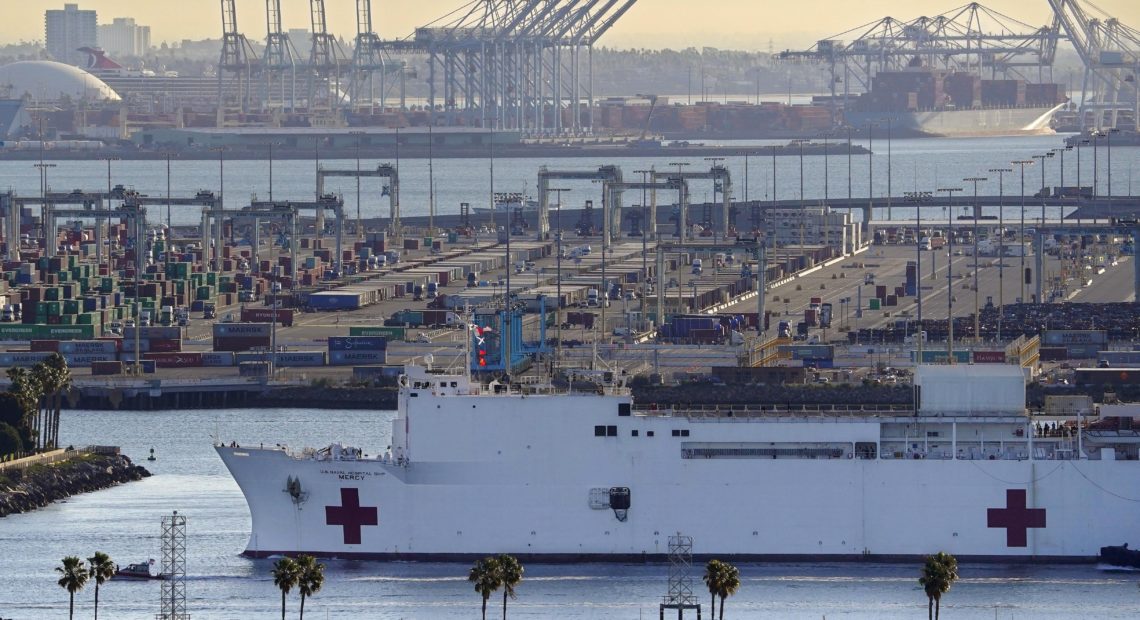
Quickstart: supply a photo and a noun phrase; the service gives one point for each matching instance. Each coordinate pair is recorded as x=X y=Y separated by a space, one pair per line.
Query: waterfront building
x=67 y=30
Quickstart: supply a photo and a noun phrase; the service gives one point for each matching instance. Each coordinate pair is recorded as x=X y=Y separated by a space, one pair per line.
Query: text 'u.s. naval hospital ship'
x=570 y=476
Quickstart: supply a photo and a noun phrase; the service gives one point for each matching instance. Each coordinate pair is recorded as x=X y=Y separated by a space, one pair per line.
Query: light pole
x=918 y=198
x=849 y=129
x=1064 y=193
x=1096 y=135
x=888 y=120
x=558 y=283
x=359 y=228
x=870 y=174
x=1044 y=191
x=1021 y=232
x=714 y=162
x=645 y=239
x=1080 y=189
x=977 y=208
x=1108 y=141
x=682 y=217
x=1001 y=243
x=221 y=202
x=949 y=191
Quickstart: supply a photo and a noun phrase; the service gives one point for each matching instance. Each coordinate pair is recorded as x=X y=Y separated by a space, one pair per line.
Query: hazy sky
x=735 y=24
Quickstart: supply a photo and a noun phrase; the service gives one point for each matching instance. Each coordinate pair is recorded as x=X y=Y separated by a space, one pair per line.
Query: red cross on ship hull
x=351 y=515
x=1016 y=518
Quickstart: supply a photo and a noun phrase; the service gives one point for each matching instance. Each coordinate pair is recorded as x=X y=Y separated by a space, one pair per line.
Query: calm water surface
x=915 y=164
x=188 y=477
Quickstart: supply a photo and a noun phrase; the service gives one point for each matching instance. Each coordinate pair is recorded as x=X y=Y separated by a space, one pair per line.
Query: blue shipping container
x=333 y=300
x=358 y=343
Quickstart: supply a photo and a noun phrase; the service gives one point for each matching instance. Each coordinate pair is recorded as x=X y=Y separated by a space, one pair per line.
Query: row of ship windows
x=602 y=430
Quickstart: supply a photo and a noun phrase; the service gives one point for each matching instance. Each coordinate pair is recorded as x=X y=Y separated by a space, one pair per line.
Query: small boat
x=142 y=570
x=1120 y=557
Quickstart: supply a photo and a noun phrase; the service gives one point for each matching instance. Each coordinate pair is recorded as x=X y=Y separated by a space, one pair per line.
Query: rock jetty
x=23 y=490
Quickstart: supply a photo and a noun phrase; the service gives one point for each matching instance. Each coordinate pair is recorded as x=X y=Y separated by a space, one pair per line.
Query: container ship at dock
x=561 y=476
x=920 y=101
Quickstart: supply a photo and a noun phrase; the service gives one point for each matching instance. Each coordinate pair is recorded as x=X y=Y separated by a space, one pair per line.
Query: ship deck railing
x=730 y=412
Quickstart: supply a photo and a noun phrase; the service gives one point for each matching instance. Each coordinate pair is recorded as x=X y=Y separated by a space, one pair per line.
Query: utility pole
x=949 y=191
x=1001 y=245
x=977 y=308
x=1021 y=232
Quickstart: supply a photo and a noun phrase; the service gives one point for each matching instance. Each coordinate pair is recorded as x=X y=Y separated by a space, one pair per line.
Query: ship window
x=599 y=431
x=684 y=432
x=623 y=409
x=414 y=394
x=611 y=431
x=676 y=432
x=633 y=432
x=648 y=433
x=931 y=433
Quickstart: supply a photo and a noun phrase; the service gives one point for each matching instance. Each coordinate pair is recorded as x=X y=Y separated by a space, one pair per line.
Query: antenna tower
x=173 y=568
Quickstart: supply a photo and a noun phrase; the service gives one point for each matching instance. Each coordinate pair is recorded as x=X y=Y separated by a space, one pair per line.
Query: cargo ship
x=589 y=475
x=921 y=101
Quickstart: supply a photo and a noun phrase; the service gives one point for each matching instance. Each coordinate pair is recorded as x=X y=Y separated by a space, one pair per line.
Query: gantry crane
x=238 y=60
x=1110 y=52
x=279 y=61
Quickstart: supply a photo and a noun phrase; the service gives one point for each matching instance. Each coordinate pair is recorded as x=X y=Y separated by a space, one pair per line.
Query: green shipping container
x=205 y=293
x=874 y=303
x=17 y=331
x=391 y=333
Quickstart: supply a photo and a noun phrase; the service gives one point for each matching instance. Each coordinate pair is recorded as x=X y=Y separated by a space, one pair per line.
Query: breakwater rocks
x=23 y=490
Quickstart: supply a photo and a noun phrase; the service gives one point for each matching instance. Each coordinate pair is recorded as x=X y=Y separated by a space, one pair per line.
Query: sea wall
x=36 y=486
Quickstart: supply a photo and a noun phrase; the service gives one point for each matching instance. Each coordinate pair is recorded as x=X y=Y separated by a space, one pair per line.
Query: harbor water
x=915 y=165
x=188 y=477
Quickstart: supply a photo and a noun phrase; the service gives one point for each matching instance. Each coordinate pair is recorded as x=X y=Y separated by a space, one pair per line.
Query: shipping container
x=175 y=360
x=84 y=360
x=337 y=300
x=1119 y=358
x=242 y=330
x=357 y=343
x=22 y=358
x=240 y=343
x=989 y=357
x=212 y=359
x=352 y=358
x=1056 y=337
x=389 y=333
x=938 y=356
x=107 y=368
x=89 y=346
x=284 y=358
x=265 y=315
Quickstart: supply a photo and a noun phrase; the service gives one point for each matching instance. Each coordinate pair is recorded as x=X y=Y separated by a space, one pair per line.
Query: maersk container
x=213 y=359
x=336 y=300
x=242 y=330
x=284 y=358
x=353 y=358
x=84 y=360
x=358 y=343
x=88 y=346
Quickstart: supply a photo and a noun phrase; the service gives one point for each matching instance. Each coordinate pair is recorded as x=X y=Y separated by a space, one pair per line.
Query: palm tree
x=510 y=573
x=938 y=574
x=27 y=391
x=285 y=575
x=46 y=377
x=102 y=570
x=729 y=584
x=310 y=578
x=713 y=574
x=485 y=575
x=73 y=576
x=61 y=383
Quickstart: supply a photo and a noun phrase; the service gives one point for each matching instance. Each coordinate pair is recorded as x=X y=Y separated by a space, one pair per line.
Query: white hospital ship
x=566 y=476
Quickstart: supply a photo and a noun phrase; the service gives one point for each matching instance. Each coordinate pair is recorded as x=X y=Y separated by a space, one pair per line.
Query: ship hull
x=961 y=123
x=529 y=476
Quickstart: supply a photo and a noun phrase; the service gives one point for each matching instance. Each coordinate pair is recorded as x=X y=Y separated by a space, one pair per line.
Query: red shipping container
x=989 y=357
x=44 y=345
x=165 y=346
x=106 y=368
x=241 y=343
